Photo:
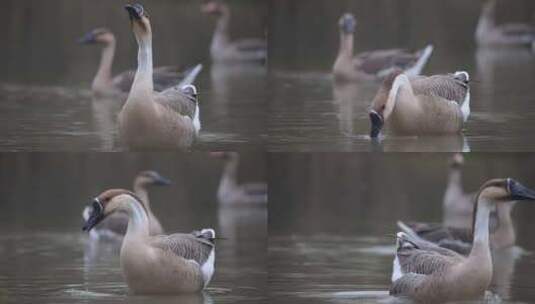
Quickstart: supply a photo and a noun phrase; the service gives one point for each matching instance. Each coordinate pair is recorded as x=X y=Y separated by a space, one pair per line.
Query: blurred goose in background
x=230 y=192
x=424 y=105
x=105 y=84
x=373 y=65
x=170 y=264
x=427 y=273
x=114 y=226
x=510 y=34
x=149 y=120
x=222 y=48
x=460 y=239
x=457 y=205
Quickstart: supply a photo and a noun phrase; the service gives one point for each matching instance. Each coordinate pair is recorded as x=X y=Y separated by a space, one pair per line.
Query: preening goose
x=511 y=34
x=149 y=120
x=166 y=264
x=230 y=192
x=457 y=204
x=114 y=226
x=222 y=48
x=427 y=273
x=373 y=64
x=105 y=84
x=438 y=104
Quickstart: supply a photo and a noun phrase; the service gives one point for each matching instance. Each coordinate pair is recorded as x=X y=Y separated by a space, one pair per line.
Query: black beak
x=161 y=181
x=95 y=217
x=348 y=26
x=87 y=39
x=519 y=192
x=135 y=11
x=377 y=123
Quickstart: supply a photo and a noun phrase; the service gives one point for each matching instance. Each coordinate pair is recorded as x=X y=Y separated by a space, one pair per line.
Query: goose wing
x=175 y=99
x=251 y=44
x=375 y=62
x=407 y=284
x=191 y=246
x=456 y=239
x=447 y=87
x=416 y=255
x=518 y=30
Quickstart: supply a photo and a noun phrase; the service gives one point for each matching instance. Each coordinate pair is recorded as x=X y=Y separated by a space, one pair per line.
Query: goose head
x=347 y=23
x=190 y=91
x=101 y=36
x=213 y=7
x=457 y=160
x=140 y=21
x=381 y=105
x=151 y=178
x=107 y=203
x=505 y=190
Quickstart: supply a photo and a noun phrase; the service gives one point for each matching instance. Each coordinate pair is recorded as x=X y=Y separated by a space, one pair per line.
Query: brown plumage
x=163 y=264
x=156 y=121
x=438 y=104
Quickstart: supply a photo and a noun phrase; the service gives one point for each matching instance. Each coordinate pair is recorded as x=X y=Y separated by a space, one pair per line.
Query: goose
x=511 y=34
x=104 y=84
x=376 y=64
x=148 y=120
x=460 y=239
x=165 y=264
x=232 y=193
x=427 y=273
x=457 y=204
x=222 y=48
x=114 y=227
x=438 y=104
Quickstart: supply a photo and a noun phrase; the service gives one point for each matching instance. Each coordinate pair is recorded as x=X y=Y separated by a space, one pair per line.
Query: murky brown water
x=45 y=101
x=308 y=112
x=333 y=219
x=45 y=257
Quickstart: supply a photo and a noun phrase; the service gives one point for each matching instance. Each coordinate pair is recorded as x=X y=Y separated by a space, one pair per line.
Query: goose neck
x=346 y=45
x=221 y=34
x=481 y=229
x=138 y=223
x=143 y=80
x=104 y=74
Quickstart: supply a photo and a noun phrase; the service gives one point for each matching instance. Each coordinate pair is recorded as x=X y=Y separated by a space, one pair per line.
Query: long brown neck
x=230 y=172
x=138 y=223
x=455 y=178
x=141 y=191
x=504 y=235
x=486 y=20
x=346 y=46
x=221 y=36
x=103 y=78
x=143 y=81
x=481 y=250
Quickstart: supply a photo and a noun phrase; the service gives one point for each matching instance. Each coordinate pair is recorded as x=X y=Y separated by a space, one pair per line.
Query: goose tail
x=191 y=75
x=424 y=56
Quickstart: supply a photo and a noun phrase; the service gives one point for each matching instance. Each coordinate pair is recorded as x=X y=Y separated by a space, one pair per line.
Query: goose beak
x=377 y=123
x=135 y=11
x=520 y=192
x=161 y=181
x=348 y=24
x=87 y=39
x=96 y=216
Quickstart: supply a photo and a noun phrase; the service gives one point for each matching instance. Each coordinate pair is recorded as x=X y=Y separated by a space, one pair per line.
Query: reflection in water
x=105 y=111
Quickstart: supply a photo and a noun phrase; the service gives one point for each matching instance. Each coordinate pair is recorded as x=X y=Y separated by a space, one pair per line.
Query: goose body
x=163 y=264
x=376 y=64
x=427 y=273
x=148 y=120
x=457 y=205
x=488 y=33
x=438 y=104
x=230 y=192
x=115 y=225
x=105 y=84
x=222 y=48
